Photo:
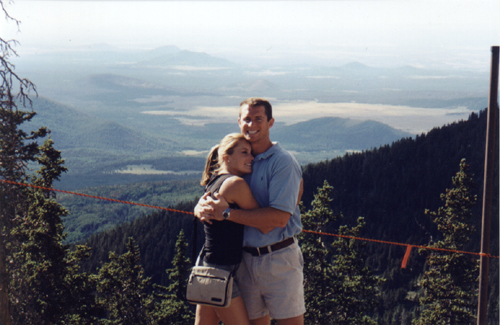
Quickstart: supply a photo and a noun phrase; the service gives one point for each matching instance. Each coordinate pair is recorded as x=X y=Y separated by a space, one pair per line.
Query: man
x=270 y=276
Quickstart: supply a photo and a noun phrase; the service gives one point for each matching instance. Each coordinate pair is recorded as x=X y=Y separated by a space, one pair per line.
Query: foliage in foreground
x=450 y=282
x=338 y=288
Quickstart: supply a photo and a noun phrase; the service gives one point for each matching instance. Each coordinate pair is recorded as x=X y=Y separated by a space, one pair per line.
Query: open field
x=410 y=119
x=149 y=170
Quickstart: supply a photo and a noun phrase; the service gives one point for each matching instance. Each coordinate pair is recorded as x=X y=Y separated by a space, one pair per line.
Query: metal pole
x=489 y=165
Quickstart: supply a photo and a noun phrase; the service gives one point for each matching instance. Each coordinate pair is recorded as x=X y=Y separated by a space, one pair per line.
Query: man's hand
x=219 y=205
x=203 y=210
x=209 y=209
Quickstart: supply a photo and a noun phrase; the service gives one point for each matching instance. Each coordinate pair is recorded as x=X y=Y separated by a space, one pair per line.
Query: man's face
x=254 y=124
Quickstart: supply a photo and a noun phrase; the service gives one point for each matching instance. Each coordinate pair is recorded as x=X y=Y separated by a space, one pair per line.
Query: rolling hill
x=95 y=149
x=336 y=133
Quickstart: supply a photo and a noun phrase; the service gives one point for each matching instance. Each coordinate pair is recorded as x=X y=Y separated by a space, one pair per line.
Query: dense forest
x=390 y=187
x=88 y=216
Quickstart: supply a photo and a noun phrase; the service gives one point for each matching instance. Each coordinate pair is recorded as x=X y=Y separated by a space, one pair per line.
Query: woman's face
x=240 y=162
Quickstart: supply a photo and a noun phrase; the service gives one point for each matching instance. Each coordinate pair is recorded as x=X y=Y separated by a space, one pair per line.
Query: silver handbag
x=210 y=286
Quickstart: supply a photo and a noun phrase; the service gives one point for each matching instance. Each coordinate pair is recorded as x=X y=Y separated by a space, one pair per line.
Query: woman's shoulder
x=216 y=181
x=233 y=180
x=236 y=190
x=233 y=183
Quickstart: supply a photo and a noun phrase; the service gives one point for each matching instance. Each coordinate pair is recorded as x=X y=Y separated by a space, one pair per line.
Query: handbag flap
x=211 y=272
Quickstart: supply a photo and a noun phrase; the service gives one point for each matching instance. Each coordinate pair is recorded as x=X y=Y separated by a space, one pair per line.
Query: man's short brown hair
x=254 y=101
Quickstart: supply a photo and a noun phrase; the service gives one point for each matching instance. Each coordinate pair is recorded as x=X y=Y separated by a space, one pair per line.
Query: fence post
x=489 y=166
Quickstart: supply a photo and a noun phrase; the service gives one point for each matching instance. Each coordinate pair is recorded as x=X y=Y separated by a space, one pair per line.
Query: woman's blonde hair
x=215 y=157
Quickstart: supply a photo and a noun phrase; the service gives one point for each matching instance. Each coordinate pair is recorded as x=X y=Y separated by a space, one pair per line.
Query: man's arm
x=264 y=219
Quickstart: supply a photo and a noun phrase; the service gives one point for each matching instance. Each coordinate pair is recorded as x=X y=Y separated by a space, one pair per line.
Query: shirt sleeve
x=284 y=183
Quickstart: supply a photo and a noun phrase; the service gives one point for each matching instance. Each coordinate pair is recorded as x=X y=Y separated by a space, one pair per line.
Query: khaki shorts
x=273 y=284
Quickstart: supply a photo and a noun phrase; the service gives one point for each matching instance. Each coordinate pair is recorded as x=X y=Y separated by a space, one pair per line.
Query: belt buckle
x=269 y=250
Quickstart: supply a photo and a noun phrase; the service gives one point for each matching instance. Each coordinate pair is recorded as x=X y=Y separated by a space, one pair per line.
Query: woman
x=226 y=164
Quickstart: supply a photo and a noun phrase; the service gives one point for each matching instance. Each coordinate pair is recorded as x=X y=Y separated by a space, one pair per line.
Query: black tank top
x=223 y=239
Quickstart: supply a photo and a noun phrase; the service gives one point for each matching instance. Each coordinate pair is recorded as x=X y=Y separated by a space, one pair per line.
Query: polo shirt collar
x=269 y=152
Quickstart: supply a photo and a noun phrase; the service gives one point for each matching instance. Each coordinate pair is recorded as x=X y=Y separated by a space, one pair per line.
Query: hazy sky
x=434 y=33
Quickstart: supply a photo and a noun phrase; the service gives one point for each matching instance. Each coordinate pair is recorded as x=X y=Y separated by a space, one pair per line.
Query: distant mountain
x=336 y=133
x=56 y=72
x=260 y=86
x=73 y=129
x=187 y=58
x=161 y=51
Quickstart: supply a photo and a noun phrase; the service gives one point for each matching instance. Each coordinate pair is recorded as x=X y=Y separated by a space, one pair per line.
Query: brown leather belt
x=258 y=251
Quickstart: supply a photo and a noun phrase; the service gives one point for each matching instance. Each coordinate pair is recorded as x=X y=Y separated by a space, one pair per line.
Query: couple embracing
x=251 y=217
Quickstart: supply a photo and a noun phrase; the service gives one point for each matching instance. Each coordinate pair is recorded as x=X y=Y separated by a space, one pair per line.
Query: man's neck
x=258 y=148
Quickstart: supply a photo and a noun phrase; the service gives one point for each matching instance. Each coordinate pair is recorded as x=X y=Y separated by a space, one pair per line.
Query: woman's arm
x=236 y=190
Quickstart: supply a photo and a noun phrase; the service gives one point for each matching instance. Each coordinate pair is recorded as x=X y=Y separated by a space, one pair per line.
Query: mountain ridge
x=85 y=139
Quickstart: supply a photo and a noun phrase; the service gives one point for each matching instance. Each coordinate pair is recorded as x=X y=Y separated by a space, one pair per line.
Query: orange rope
x=94 y=197
x=401 y=244
x=407 y=255
x=307 y=231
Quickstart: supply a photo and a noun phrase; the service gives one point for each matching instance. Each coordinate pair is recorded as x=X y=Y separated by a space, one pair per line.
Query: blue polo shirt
x=275 y=181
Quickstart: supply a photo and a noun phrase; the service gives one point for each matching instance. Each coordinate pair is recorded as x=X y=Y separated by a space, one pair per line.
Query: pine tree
x=449 y=285
x=317 y=268
x=173 y=308
x=356 y=289
x=16 y=149
x=342 y=292
x=80 y=304
x=121 y=287
x=46 y=286
x=38 y=269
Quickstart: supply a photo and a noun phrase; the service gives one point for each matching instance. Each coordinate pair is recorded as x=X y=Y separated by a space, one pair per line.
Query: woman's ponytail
x=211 y=165
x=214 y=159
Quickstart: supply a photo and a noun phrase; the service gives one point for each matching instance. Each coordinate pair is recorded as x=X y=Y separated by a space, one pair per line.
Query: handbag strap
x=233 y=272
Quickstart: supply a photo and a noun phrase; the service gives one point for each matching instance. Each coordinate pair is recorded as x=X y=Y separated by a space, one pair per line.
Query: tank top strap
x=215 y=183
